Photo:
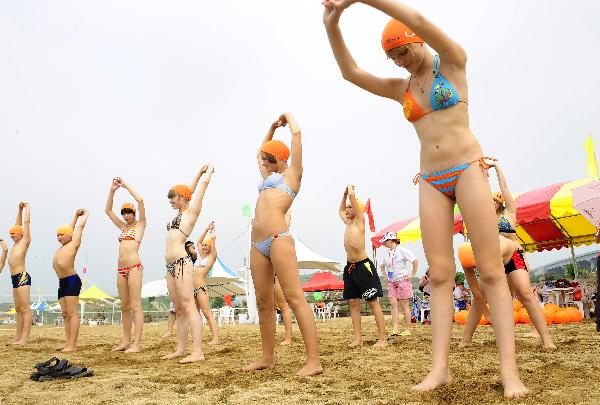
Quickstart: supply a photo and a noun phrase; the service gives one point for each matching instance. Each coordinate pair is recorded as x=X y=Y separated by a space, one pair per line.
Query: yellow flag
x=591 y=168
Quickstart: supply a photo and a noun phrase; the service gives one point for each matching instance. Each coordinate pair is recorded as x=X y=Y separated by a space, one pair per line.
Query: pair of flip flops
x=55 y=369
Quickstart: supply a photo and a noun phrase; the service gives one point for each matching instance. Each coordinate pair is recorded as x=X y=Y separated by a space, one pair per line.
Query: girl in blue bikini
x=273 y=253
x=453 y=170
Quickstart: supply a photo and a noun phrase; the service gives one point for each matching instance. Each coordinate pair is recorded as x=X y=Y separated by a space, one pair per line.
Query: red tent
x=323 y=281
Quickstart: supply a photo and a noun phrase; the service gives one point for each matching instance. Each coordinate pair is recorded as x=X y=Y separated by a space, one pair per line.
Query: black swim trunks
x=69 y=286
x=517 y=262
x=361 y=281
x=20 y=280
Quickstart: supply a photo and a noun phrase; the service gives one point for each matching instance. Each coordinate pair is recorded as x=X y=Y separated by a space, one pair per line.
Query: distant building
x=557 y=269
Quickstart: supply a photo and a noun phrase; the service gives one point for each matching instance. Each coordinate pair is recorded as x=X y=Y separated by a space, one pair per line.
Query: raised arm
x=358 y=215
x=389 y=88
x=80 y=225
x=26 y=220
x=204 y=233
x=203 y=178
x=268 y=137
x=3 y=254
x=296 y=149
x=119 y=223
x=138 y=200
x=450 y=51
x=342 y=210
x=509 y=201
x=212 y=258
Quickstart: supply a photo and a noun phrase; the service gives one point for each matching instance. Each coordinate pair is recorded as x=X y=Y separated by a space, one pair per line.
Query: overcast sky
x=151 y=90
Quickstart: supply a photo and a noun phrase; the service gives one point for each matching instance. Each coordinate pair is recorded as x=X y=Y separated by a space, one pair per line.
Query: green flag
x=246 y=210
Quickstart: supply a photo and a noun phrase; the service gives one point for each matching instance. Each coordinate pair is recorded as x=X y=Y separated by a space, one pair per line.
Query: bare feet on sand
x=514 y=387
x=356 y=343
x=286 y=342
x=532 y=334
x=166 y=335
x=172 y=355
x=134 y=349
x=432 y=381
x=69 y=349
x=192 y=358
x=310 y=369
x=122 y=347
x=380 y=343
x=465 y=343
x=214 y=341
x=261 y=363
x=18 y=343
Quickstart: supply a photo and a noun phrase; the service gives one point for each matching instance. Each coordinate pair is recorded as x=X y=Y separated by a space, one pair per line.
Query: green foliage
x=217 y=302
x=569 y=271
x=460 y=277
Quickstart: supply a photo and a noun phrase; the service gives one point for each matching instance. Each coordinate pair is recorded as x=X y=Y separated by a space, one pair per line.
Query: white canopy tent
x=306 y=258
x=220 y=281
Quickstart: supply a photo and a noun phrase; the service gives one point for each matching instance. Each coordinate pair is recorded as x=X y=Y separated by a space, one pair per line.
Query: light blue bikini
x=275 y=180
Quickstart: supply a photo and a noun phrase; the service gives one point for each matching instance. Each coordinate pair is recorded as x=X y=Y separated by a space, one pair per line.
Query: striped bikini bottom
x=445 y=180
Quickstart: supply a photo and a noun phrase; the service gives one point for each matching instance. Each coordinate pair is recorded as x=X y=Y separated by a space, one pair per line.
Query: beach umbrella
x=586 y=200
x=409 y=230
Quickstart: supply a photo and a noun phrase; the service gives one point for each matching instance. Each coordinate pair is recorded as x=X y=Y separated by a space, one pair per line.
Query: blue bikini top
x=504 y=225
x=275 y=180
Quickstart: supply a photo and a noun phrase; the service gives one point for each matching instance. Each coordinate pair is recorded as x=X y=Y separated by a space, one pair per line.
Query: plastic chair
x=226 y=315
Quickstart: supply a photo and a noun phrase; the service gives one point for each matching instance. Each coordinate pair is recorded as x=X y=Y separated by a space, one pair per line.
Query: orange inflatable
x=460 y=317
x=517 y=305
x=551 y=308
x=574 y=314
x=484 y=321
x=549 y=318
x=516 y=317
x=465 y=255
x=524 y=316
x=560 y=316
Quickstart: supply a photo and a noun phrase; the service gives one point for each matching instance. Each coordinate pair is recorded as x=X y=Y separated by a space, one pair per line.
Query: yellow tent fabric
x=11 y=311
x=94 y=293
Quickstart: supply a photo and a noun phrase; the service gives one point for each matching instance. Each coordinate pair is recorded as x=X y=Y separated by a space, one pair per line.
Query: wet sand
x=568 y=375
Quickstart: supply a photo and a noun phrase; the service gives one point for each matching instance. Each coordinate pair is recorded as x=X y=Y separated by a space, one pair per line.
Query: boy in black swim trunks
x=361 y=280
x=69 y=283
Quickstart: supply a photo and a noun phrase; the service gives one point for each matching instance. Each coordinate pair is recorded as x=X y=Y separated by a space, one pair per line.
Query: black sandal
x=63 y=369
x=44 y=368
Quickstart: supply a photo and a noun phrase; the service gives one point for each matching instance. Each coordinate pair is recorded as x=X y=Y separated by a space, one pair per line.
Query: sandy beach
x=568 y=375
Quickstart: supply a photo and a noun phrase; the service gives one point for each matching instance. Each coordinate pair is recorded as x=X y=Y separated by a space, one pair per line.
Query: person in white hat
x=399 y=267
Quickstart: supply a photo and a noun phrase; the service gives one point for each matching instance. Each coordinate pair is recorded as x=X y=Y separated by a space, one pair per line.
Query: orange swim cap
x=396 y=34
x=64 y=230
x=128 y=206
x=498 y=197
x=277 y=149
x=183 y=191
x=18 y=229
x=361 y=205
x=208 y=241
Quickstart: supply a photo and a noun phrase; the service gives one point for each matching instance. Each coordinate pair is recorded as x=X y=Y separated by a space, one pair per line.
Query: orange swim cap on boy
x=64 y=230
x=396 y=34
x=183 y=191
x=18 y=229
x=277 y=149
x=128 y=206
